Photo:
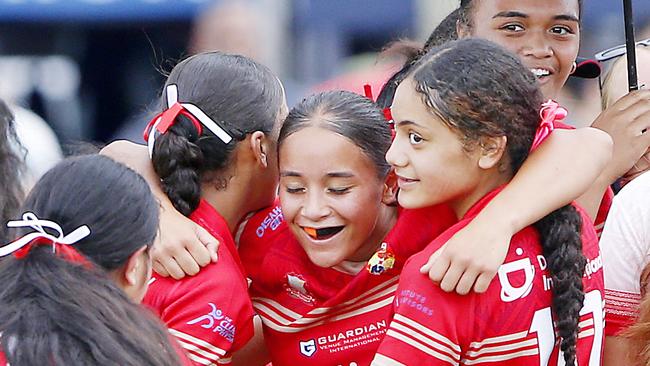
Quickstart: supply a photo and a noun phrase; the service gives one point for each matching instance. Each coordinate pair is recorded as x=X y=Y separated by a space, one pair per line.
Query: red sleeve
x=603 y=211
x=210 y=314
x=621 y=310
x=429 y=326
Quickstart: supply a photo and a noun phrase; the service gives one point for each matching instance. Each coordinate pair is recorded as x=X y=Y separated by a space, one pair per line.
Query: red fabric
x=321 y=316
x=622 y=310
x=510 y=324
x=210 y=313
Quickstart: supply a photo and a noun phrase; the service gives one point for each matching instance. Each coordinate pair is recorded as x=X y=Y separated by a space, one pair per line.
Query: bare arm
x=184 y=246
x=616 y=352
x=559 y=171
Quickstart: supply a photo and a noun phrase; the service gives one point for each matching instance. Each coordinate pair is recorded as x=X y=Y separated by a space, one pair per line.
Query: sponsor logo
x=295 y=286
x=509 y=292
x=218 y=322
x=308 y=348
x=593 y=266
x=272 y=221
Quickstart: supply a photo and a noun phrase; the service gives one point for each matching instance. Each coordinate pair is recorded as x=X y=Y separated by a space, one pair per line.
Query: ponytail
x=56 y=312
x=235 y=95
x=562 y=247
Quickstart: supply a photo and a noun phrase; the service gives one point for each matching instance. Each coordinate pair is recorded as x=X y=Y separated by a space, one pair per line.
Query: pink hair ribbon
x=550 y=113
x=62 y=244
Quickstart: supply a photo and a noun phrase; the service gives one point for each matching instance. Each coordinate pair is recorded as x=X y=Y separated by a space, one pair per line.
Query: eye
x=294 y=190
x=562 y=31
x=342 y=190
x=414 y=138
x=513 y=28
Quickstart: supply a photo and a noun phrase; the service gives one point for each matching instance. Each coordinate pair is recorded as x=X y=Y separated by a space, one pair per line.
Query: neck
x=385 y=222
x=487 y=183
x=231 y=203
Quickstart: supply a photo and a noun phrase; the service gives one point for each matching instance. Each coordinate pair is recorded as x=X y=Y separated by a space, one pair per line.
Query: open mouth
x=322 y=233
x=540 y=73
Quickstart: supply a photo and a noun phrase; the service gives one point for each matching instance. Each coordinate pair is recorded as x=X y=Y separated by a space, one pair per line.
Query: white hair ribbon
x=204 y=119
x=30 y=220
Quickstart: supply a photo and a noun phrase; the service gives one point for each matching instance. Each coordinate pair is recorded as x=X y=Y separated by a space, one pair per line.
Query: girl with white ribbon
x=69 y=295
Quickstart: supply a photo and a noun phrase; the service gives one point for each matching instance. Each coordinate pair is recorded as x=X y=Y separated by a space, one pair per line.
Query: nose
x=538 y=46
x=315 y=207
x=394 y=156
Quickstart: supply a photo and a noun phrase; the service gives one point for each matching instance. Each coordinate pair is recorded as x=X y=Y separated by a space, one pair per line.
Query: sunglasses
x=618 y=51
x=610 y=54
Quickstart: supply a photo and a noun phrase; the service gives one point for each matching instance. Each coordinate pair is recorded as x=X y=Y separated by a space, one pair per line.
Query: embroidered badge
x=381 y=261
x=295 y=286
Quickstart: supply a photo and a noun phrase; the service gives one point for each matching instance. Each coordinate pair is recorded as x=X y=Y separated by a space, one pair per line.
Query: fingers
x=436 y=266
x=197 y=248
x=452 y=277
x=483 y=281
x=630 y=99
x=210 y=246
x=466 y=281
x=160 y=269
x=187 y=263
x=170 y=266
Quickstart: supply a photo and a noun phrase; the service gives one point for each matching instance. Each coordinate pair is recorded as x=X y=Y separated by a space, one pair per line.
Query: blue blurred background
x=92 y=68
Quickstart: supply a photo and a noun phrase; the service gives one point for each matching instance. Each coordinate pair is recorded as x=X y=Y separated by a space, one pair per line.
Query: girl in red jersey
x=213 y=148
x=72 y=280
x=466 y=116
x=324 y=267
x=546 y=37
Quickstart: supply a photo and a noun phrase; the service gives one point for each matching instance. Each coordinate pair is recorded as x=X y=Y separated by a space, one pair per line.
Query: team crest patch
x=295 y=286
x=308 y=348
x=381 y=261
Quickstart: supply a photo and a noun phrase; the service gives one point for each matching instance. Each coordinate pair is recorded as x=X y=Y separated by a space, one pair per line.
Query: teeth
x=540 y=72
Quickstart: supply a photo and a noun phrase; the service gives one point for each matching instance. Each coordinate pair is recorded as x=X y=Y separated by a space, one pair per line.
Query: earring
x=574 y=67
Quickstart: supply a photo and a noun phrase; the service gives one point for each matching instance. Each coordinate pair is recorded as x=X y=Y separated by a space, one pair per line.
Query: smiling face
x=545 y=35
x=428 y=157
x=331 y=196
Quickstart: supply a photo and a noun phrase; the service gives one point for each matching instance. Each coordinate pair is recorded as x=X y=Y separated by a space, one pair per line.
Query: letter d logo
x=308 y=348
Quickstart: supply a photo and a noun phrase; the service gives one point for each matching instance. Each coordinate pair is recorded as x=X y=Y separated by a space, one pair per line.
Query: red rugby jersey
x=210 y=314
x=511 y=324
x=608 y=197
x=322 y=316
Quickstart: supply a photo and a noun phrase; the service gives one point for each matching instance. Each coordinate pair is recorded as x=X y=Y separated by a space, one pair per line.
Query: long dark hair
x=57 y=312
x=234 y=91
x=480 y=90
x=11 y=192
x=348 y=114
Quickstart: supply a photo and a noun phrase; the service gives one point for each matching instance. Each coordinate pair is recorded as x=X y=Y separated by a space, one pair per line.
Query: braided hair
x=239 y=94
x=478 y=90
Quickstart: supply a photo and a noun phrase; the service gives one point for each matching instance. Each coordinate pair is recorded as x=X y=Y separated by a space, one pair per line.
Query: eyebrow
x=289 y=174
x=407 y=123
x=517 y=14
x=340 y=175
x=329 y=175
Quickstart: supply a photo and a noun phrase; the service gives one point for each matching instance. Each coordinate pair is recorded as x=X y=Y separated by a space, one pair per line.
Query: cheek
x=290 y=206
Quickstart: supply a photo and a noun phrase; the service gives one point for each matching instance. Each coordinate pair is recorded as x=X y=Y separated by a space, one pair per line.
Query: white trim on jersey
x=381 y=360
x=422 y=347
x=292 y=328
x=272 y=312
x=199 y=350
